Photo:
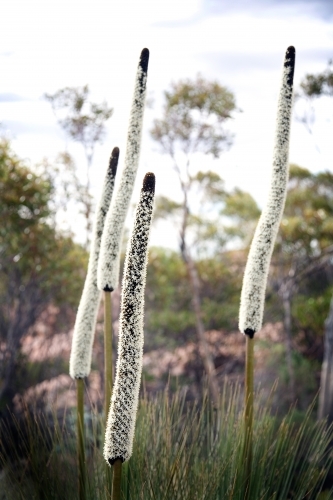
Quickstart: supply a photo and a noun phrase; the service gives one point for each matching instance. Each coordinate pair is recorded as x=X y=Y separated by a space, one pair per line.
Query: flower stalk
x=257 y=265
x=108 y=268
x=124 y=402
x=85 y=323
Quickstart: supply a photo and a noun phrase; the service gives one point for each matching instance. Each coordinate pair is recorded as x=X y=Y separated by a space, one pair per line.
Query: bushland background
x=204 y=218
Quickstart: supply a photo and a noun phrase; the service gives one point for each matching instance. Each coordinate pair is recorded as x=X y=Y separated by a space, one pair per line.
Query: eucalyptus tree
x=301 y=269
x=36 y=262
x=321 y=84
x=304 y=246
x=194 y=118
x=312 y=88
x=84 y=122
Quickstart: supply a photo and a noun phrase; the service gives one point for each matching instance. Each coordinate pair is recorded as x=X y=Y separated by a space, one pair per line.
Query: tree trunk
x=325 y=409
x=195 y=289
x=203 y=345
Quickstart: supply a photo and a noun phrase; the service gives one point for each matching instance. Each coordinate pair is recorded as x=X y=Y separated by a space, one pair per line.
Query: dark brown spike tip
x=112 y=461
x=113 y=163
x=289 y=62
x=144 y=58
x=249 y=332
x=149 y=183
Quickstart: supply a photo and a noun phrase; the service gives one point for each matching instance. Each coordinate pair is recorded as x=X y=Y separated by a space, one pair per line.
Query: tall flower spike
x=108 y=267
x=124 y=402
x=80 y=360
x=257 y=266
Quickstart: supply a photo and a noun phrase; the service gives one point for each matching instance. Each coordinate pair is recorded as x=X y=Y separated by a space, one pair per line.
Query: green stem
x=128 y=481
x=80 y=437
x=248 y=452
x=116 y=483
x=107 y=369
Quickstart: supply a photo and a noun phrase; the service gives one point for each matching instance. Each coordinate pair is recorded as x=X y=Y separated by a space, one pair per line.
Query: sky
x=46 y=45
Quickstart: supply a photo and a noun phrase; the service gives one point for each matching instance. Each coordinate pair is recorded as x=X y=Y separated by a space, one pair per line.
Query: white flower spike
x=124 y=402
x=108 y=267
x=84 y=329
x=257 y=266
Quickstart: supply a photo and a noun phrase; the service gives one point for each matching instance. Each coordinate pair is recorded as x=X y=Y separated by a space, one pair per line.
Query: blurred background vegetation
x=192 y=293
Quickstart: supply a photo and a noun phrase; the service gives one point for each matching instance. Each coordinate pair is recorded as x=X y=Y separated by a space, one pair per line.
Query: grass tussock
x=182 y=450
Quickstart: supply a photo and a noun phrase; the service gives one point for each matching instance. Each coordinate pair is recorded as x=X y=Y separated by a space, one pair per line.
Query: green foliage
x=168 y=314
x=199 y=220
x=182 y=450
x=84 y=121
x=41 y=454
x=169 y=319
x=243 y=214
x=193 y=118
x=302 y=256
x=193 y=121
x=319 y=84
x=241 y=205
x=32 y=253
x=164 y=208
x=310 y=310
x=24 y=195
x=210 y=185
x=306 y=227
x=69 y=193
x=305 y=371
x=221 y=281
x=38 y=266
